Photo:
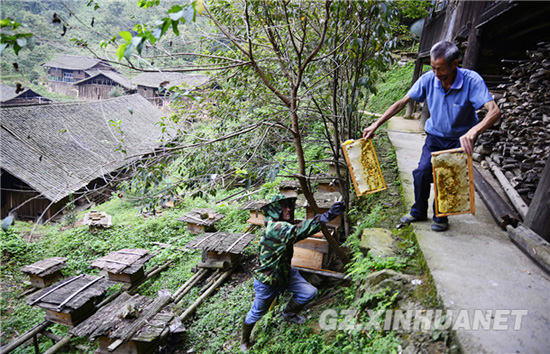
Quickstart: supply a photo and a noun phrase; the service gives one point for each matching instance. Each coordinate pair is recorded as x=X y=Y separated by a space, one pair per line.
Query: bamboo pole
x=59 y=345
x=25 y=337
x=185 y=288
x=207 y=293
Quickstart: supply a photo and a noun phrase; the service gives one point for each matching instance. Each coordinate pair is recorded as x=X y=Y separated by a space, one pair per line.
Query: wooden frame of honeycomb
x=453 y=175
x=363 y=166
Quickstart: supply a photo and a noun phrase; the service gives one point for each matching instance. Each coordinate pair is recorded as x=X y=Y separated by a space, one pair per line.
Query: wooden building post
x=538 y=215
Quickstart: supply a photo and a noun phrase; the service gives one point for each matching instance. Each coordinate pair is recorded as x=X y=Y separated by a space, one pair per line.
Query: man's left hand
x=467 y=142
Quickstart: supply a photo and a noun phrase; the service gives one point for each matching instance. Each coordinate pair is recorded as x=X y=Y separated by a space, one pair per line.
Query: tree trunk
x=305 y=186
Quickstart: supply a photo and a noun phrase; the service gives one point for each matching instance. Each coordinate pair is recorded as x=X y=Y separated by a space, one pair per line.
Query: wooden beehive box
x=128 y=325
x=290 y=188
x=220 y=249
x=45 y=272
x=201 y=220
x=453 y=182
x=97 y=220
x=363 y=166
x=125 y=265
x=324 y=202
x=256 y=216
x=311 y=253
x=72 y=300
x=327 y=184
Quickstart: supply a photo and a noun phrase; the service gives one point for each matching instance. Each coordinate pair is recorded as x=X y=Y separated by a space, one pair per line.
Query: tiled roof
x=154 y=79
x=59 y=148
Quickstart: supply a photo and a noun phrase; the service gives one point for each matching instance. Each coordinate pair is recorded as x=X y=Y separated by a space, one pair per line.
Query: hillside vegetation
x=258 y=125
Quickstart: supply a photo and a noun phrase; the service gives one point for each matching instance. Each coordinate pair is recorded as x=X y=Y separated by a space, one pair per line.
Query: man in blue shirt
x=453 y=95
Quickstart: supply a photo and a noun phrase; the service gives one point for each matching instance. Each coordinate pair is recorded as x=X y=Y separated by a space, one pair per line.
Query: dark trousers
x=423 y=175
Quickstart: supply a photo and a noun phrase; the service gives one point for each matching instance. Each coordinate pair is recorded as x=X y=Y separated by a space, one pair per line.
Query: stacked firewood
x=520 y=143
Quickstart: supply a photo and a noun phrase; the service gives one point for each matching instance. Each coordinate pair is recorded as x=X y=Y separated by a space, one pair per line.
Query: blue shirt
x=453 y=113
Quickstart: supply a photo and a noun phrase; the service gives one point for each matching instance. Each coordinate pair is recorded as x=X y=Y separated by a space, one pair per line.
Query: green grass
x=394 y=84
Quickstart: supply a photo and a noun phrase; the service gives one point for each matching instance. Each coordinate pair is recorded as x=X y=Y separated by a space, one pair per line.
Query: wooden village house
x=487 y=32
x=66 y=70
x=52 y=151
x=101 y=84
x=10 y=95
x=154 y=85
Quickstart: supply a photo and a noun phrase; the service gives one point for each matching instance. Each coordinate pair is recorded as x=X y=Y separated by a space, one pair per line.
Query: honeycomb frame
x=364 y=168
x=453 y=180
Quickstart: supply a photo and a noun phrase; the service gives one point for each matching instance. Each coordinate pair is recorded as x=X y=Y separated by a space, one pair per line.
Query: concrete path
x=477 y=268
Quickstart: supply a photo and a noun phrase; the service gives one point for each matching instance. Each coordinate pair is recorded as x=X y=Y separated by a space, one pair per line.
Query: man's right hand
x=368 y=133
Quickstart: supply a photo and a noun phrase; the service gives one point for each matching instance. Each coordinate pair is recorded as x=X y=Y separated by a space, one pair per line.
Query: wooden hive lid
x=97 y=218
x=45 y=266
x=221 y=242
x=196 y=216
x=128 y=318
x=126 y=260
x=253 y=204
x=294 y=185
x=80 y=289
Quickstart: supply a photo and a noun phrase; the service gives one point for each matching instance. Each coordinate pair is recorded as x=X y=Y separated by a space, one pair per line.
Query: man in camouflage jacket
x=274 y=274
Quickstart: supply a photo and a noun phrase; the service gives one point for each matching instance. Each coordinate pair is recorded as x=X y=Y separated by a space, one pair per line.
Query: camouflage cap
x=274 y=208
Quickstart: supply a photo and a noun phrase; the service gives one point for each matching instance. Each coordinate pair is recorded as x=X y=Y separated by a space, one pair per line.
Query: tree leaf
x=189 y=13
x=21 y=41
x=127 y=36
x=199 y=6
x=175 y=28
x=128 y=51
x=120 y=50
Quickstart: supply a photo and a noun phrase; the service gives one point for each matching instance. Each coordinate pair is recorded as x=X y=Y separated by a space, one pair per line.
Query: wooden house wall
x=97 y=89
x=152 y=95
x=31 y=205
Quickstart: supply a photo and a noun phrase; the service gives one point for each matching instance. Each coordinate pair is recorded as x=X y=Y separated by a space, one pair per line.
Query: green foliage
x=17 y=41
x=393 y=86
x=11 y=245
x=176 y=15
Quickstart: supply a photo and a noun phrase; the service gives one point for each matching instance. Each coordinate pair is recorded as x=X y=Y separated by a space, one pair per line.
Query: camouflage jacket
x=276 y=246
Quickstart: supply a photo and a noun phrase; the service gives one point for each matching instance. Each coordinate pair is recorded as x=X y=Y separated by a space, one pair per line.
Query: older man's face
x=443 y=70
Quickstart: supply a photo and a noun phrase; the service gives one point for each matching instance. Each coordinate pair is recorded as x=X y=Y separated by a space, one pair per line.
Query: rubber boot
x=290 y=314
x=245 y=341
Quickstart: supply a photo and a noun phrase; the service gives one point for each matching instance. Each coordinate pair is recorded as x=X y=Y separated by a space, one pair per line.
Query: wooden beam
x=502 y=213
x=59 y=345
x=532 y=244
x=323 y=272
x=538 y=215
x=25 y=337
x=512 y=194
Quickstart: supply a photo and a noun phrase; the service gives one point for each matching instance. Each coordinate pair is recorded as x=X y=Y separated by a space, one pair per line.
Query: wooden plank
x=307 y=258
x=127 y=332
x=313 y=244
